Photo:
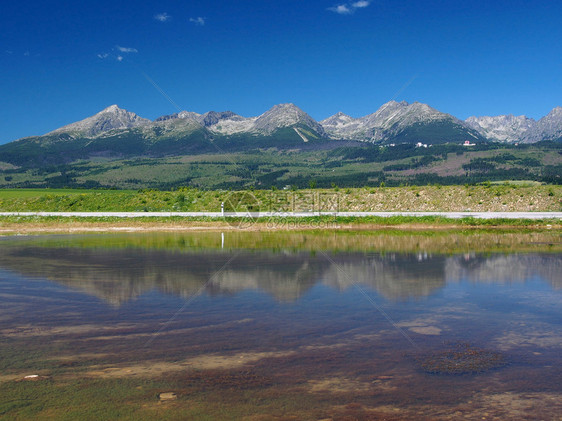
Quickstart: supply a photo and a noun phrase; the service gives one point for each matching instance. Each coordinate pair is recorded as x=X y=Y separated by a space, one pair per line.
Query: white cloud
x=349 y=8
x=342 y=9
x=198 y=21
x=103 y=55
x=360 y=4
x=162 y=17
x=119 y=58
x=126 y=49
x=26 y=54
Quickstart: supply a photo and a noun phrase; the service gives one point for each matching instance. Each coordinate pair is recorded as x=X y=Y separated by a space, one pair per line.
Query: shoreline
x=30 y=225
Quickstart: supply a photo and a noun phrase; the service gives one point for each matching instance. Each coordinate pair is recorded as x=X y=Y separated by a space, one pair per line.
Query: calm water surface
x=303 y=327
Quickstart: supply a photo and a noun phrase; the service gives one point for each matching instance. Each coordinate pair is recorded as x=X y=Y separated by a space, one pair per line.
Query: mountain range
x=509 y=128
x=115 y=132
x=394 y=121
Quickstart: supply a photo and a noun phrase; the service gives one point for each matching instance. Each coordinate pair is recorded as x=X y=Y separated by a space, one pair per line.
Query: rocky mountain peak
x=109 y=118
x=502 y=128
x=182 y=115
x=555 y=113
x=402 y=113
x=111 y=109
x=338 y=119
x=393 y=121
x=510 y=128
x=212 y=117
x=548 y=128
x=285 y=115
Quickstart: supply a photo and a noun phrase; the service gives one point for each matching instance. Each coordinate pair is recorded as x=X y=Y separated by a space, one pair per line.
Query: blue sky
x=62 y=61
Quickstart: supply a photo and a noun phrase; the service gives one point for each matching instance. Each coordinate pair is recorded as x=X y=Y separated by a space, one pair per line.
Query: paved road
x=254 y=215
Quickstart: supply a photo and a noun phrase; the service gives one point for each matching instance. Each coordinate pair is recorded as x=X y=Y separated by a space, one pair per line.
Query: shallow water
x=293 y=327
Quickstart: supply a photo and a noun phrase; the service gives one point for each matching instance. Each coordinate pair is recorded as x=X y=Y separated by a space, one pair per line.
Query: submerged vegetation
x=462 y=359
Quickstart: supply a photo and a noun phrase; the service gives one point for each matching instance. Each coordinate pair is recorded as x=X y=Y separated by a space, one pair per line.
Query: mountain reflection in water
x=123 y=274
x=445 y=325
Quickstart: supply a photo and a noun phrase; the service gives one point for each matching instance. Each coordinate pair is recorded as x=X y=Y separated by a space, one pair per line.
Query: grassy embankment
x=491 y=197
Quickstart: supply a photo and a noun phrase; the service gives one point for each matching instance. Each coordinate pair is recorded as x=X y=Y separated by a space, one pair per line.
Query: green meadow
x=487 y=197
x=269 y=167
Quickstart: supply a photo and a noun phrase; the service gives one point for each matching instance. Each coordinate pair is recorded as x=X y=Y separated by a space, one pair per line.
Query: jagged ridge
x=509 y=128
x=392 y=122
x=400 y=121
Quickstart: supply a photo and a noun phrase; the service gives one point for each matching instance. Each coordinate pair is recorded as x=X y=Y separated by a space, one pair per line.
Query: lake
x=259 y=326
